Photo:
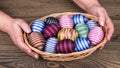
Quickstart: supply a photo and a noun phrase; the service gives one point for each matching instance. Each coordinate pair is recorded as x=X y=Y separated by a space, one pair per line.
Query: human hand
x=101 y=13
x=15 y=32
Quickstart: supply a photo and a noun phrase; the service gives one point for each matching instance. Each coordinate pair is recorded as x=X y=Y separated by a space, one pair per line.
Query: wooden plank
x=13 y=57
x=5 y=39
x=110 y=3
x=2 y=33
x=114 y=13
x=106 y=58
x=33 y=11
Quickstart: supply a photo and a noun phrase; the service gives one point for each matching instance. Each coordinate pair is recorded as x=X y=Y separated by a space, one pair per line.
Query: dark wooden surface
x=13 y=57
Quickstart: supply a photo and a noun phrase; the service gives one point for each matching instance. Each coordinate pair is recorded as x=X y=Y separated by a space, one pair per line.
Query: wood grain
x=13 y=57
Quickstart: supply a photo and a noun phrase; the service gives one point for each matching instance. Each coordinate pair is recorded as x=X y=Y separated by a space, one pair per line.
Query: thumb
x=101 y=16
x=23 y=25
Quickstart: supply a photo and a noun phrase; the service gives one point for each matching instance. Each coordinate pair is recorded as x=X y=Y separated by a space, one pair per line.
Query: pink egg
x=96 y=35
x=66 y=21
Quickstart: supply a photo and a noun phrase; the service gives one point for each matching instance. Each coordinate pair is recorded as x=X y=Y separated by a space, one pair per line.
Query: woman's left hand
x=101 y=13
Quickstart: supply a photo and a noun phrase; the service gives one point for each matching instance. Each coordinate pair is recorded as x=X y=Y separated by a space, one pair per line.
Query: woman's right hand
x=15 y=31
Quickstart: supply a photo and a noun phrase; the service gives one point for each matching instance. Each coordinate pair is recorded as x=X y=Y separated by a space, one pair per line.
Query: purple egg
x=51 y=30
x=65 y=46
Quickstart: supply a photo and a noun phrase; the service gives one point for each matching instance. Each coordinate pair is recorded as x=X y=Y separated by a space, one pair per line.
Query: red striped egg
x=66 y=21
x=65 y=46
x=37 y=40
x=51 y=30
x=96 y=35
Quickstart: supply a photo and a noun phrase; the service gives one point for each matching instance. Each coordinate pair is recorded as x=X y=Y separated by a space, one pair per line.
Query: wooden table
x=13 y=57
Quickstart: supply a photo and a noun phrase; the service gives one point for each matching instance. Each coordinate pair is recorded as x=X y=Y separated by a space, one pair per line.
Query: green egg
x=82 y=30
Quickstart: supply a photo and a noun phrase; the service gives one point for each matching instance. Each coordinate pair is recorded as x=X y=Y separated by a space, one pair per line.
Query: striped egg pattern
x=96 y=35
x=82 y=44
x=82 y=30
x=67 y=33
x=65 y=46
x=91 y=24
x=51 y=45
x=51 y=20
x=79 y=18
x=37 y=40
x=66 y=22
x=51 y=30
x=38 y=26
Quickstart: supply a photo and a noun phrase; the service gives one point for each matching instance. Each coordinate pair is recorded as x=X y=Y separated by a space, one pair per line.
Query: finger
x=23 y=25
x=110 y=26
x=110 y=31
x=101 y=47
x=101 y=16
x=22 y=45
x=25 y=48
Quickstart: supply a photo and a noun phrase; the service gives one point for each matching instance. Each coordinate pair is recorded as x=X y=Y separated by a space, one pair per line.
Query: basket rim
x=73 y=53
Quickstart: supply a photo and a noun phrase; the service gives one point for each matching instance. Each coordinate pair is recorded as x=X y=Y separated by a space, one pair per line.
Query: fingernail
x=36 y=56
x=28 y=31
x=102 y=23
x=108 y=39
x=101 y=48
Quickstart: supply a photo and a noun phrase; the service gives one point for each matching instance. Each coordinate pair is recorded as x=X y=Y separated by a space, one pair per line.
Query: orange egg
x=67 y=33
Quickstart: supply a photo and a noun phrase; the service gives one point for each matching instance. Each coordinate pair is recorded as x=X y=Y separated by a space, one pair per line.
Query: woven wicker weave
x=73 y=55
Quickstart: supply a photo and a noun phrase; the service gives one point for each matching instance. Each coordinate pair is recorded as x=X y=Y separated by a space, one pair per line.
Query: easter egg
x=66 y=21
x=65 y=46
x=67 y=33
x=51 y=20
x=38 y=26
x=51 y=45
x=82 y=44
x=37 y=40
x=96 y=35
x=91 y=24
x=82 y=30
x=79 y=18
x=51 y=30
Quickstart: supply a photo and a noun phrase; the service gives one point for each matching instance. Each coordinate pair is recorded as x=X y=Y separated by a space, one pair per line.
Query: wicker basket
x=73 y=55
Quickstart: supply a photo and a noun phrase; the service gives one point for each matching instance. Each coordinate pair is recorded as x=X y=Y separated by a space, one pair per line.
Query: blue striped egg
x=51 y=45
x=79 y=18
x=37 y=26
x=51 y=20
x=91 y=24
x=82 y=44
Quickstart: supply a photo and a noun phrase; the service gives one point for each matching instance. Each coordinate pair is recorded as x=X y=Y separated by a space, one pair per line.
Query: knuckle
x=15 y=42
x=29 y=51
x=18 y=40
x=18 y=21
x=112 y=30
x=102 y=9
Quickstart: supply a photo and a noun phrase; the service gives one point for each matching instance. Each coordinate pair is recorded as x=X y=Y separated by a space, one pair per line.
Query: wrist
x=92 y=6
x=87 y=4
x=7 y=26
x=5 y=21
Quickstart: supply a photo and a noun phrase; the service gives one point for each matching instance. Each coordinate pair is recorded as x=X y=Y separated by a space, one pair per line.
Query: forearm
x=5 y=21
x=86 y=4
